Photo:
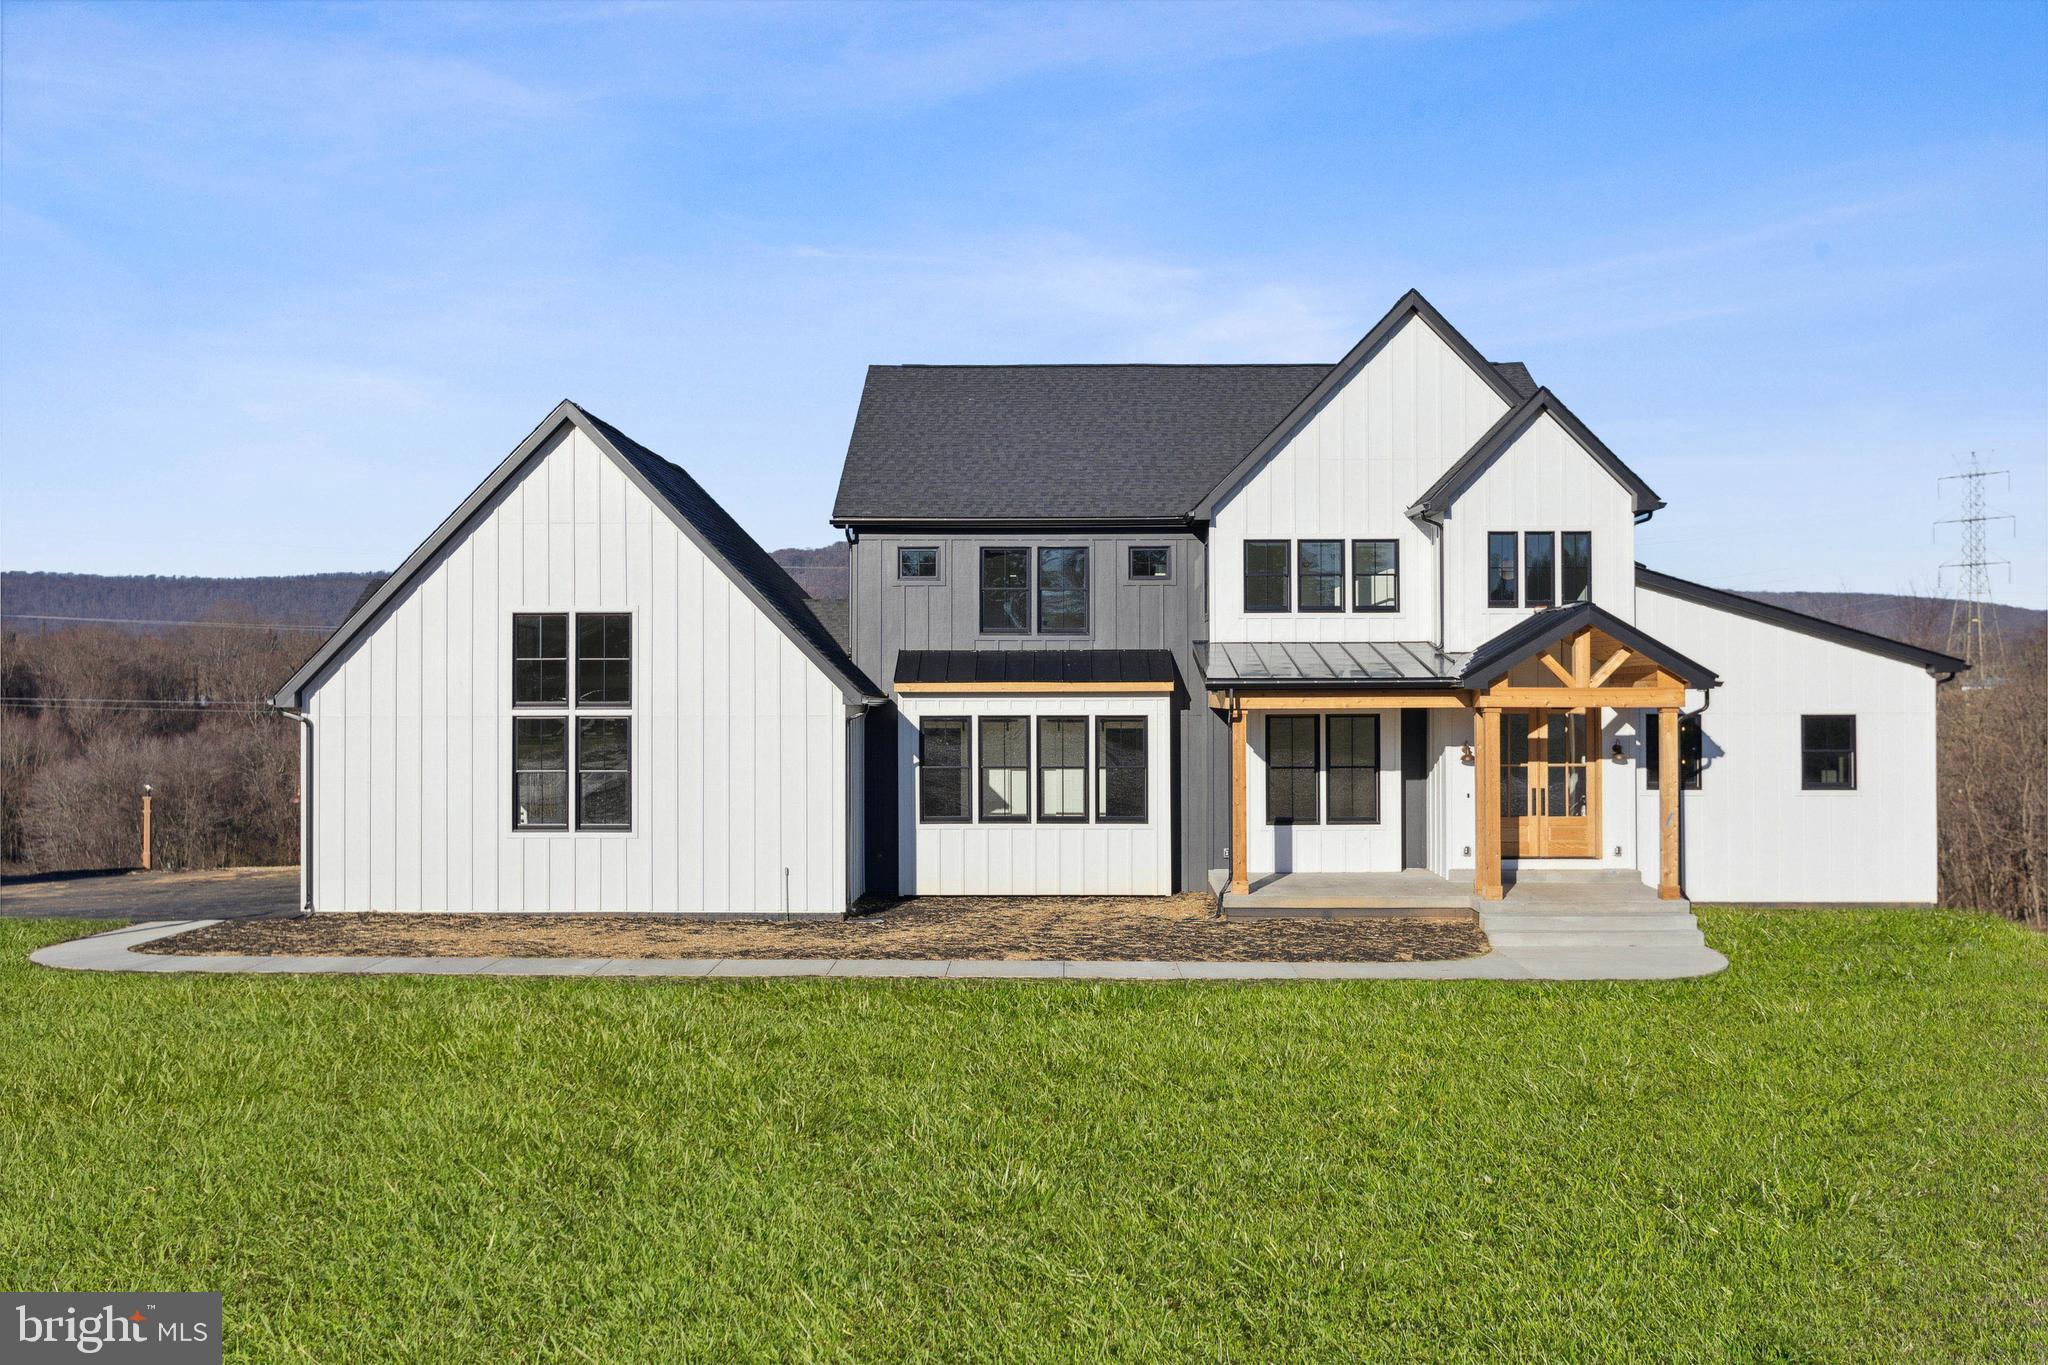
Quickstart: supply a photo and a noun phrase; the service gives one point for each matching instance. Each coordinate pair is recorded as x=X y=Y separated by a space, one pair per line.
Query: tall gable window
x=1005 y=590
x=1502 y=589
x=591 y=733
x=1266 y=575
x=1291 y=770
x=1827 y=753
x=1576 y=569
x=1063 y=591
x=1322 y=575
x=1539 y=563
x=1375 y=575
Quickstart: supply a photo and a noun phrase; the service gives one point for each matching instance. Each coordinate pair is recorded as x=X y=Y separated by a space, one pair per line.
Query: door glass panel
x=1514 y=777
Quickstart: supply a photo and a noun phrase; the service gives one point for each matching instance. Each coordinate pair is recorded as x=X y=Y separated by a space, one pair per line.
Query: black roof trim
x=1035 y=666
x=1720 y=598
x=709 y=526
x=1503 y=433
x=1410 y=304
x=1525 y=640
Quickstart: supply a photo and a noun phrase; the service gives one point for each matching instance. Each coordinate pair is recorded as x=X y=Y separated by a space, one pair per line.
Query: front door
x=1549 y=784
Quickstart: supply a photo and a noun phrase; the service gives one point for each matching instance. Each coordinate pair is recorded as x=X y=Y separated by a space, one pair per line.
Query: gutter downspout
x=305 y=809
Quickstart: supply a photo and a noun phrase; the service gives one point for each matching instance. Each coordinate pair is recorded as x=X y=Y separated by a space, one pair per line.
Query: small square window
x=1150 y=561
x=917 y=561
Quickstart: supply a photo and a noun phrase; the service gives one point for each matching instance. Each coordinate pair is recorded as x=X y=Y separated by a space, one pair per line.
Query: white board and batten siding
x=1034 y=858
x=739 y=741
x=1323 y=846
x=1544 y=481
x=1408 y=413
x=1750 y=833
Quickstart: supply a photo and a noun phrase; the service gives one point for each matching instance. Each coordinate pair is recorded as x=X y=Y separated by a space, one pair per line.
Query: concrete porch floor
x=1414 y=891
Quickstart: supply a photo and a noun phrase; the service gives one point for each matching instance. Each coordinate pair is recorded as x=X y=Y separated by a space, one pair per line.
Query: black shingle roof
x=739 y=549
x=1062 y=442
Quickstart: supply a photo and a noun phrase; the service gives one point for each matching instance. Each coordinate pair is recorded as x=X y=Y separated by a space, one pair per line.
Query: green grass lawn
x=1831 y=1151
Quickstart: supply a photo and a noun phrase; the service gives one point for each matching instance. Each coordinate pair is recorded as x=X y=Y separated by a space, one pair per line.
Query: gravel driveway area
x=230 y=894
x=1099 y=929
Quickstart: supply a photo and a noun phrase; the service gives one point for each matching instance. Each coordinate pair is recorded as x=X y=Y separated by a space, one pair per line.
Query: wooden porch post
x=1486 y=880
x=1667 y=803
x=1240 y=877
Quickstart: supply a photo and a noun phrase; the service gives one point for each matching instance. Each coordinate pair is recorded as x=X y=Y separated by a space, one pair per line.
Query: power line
x=135 y=704
x=133 y=621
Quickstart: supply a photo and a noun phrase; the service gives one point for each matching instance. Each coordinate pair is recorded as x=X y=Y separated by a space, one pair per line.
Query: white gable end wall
x=1350 y=473
x=738 y=738
x=1750 y=833
x=1544 y=481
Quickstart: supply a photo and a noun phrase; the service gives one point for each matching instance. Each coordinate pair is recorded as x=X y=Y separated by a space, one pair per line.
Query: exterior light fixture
x=1619 y=756
x=1465 y=756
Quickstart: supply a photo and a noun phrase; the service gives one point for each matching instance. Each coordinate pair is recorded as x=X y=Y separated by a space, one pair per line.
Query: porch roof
x=1068 y=667
x=1326 y=663
x=1492 y=660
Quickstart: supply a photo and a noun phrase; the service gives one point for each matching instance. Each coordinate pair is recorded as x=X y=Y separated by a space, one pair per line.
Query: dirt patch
x=1093 y=928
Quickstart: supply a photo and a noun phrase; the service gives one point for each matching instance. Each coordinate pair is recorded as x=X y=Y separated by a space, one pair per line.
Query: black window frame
x=982 y=768
x=1039 y=590
x=565 y=658
x=1303 y=576
x=566 y=772
x=1513 y=599
x=1285 y=576
x=1691 y=751
x=1103 y=767
x=1021 y=590
x=607 y=658
x=1165 y=574
x=1313 y=767
x=965 y=768
x=1807 y=750
x=1530 y=540
x=1358 y=602
x=1375 y=768
x=1565 y=596
x=603 y=717
x=1040 y=768
x=902 y=550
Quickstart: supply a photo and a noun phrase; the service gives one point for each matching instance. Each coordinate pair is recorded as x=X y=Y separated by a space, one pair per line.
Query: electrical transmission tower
x=1973 y=616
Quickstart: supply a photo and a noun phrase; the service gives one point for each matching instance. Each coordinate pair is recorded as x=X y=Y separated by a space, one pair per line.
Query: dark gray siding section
x=945 y=614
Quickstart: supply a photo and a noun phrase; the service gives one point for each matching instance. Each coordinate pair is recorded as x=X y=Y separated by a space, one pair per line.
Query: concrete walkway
x=114 y=952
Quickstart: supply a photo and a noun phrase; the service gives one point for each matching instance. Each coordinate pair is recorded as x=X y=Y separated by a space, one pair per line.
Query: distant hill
x=325 y=599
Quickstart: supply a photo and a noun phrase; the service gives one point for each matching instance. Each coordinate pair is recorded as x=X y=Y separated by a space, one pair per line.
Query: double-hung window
x=1322 y=575
x=1005 y=590
x=1062 y=769
x=1063 y=590
x=1354 y=770
x=573 y=766
x=1266 y=583
x=942 y=770
x=1005 y=768
x=1121 y=767
x=1291 y=770
x=1827 y=753
x=1375 y=575
x=1502 y=587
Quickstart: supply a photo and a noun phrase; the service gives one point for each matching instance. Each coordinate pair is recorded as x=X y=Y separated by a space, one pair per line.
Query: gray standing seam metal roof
x=755 y=571
x=1415 y=662
x=1062 y=442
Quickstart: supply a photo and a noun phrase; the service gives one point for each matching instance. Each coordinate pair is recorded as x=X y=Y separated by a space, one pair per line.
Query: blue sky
x=282 y=283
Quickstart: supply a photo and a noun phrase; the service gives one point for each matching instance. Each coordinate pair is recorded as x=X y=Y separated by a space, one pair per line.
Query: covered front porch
x=1524 y=714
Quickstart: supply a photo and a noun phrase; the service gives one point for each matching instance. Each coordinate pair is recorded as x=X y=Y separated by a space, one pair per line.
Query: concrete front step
x=1594 y=938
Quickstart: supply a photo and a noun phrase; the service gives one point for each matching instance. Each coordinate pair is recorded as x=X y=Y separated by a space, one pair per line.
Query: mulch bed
x=1093 y=928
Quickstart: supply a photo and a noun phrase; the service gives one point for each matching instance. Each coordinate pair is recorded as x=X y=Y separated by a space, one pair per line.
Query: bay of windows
x=1309 y=576
x=998 y=755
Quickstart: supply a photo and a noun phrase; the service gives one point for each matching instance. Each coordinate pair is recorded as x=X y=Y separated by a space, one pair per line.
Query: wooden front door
x=1550 y=784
